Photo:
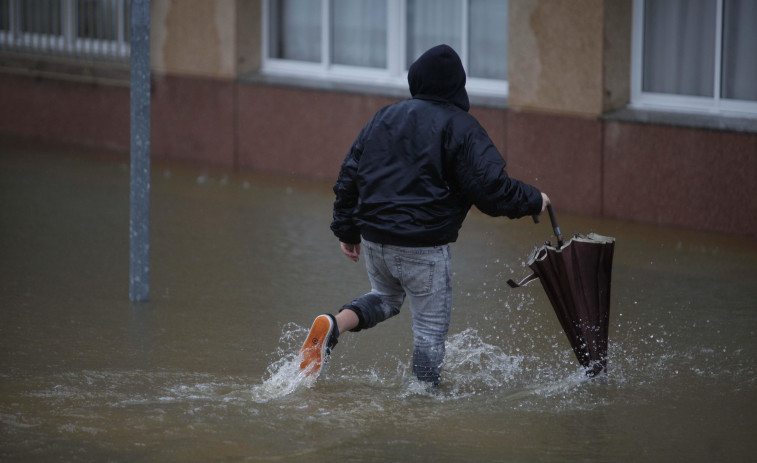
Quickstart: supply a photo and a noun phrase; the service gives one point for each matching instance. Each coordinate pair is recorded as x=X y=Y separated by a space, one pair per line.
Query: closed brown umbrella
x=576 y=277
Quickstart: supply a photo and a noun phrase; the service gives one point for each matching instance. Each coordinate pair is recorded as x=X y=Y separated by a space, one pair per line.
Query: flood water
x=241 y=263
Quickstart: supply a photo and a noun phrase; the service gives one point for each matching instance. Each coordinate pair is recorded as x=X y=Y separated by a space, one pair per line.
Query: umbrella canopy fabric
x=576 y=278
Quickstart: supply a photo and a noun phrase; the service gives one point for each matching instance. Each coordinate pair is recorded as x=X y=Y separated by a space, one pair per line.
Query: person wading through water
x=402 y=194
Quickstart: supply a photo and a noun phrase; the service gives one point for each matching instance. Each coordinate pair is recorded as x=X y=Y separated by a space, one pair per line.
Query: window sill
x=361 y=88
x=719 y=122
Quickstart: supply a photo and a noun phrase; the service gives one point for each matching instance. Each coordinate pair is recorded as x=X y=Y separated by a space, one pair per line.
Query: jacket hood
x=439 y=75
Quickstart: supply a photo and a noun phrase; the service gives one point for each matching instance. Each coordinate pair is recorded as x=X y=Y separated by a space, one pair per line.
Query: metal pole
x=139 y=220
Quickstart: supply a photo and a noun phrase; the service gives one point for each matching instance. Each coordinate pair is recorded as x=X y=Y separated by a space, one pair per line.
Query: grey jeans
x=424 y=276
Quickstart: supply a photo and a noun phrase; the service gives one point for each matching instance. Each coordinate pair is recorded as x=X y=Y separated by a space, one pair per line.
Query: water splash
x=284 y=374
x=472 y=366
x=285 y=378
x=517 y=357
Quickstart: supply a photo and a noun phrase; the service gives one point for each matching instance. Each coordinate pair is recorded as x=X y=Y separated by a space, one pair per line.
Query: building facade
x=632 y=109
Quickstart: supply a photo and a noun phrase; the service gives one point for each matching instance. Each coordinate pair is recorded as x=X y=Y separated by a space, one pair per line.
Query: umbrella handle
x=555 y=227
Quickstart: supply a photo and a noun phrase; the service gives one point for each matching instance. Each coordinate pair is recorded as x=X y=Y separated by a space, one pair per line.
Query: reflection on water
x=241 y=263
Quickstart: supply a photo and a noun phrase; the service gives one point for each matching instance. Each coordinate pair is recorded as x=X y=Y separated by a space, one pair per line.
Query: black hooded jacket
x=416 y=168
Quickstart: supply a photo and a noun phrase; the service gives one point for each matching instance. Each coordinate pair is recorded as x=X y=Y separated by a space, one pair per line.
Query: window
x=359 y=33
x=80 y=29
x=695 y=55
x=375 y=41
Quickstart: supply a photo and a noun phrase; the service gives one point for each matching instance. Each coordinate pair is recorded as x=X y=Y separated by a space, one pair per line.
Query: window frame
x=68 y=44
x=641 y=99
x=394 y=76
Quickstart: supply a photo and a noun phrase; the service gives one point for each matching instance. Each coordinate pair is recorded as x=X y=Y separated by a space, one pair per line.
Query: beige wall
x=617 y=53
x=210 y=38
x=569 y=57
x=249 y=38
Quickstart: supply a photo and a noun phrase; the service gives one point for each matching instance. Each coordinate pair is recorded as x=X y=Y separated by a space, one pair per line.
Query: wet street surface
x=241 y=263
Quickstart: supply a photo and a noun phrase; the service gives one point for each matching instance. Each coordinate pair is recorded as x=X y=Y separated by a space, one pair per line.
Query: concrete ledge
x=683 y=120
x=366 y=88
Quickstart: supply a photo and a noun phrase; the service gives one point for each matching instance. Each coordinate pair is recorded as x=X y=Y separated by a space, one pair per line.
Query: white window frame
x=68 y=44
x=395 y=74
x=682 y=103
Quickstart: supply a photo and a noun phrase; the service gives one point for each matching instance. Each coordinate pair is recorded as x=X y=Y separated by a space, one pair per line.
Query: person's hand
x=352 y=251
x=545 y=202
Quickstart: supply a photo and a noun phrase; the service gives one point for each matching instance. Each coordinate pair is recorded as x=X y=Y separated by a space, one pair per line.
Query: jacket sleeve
x=343 y=224
x=481 y=175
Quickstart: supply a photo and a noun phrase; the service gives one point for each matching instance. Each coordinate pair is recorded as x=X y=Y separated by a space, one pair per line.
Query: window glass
x=430 y=23
x=679 y=47
x=4 y=15
x=97 y=19
x=739 y=73
x=127 y=21
x=41 y=17
x=295 y=30
x=487 y=39
x=359 y=32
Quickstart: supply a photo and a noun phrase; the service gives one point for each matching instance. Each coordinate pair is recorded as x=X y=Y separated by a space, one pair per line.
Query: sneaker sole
x=314 y=350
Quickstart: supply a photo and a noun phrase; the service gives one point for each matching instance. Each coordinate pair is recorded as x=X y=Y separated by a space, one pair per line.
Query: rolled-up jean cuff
x=365 y=307
x=360 y=322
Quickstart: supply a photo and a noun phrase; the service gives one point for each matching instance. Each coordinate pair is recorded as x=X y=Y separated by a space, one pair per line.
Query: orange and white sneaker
x=319 y=344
